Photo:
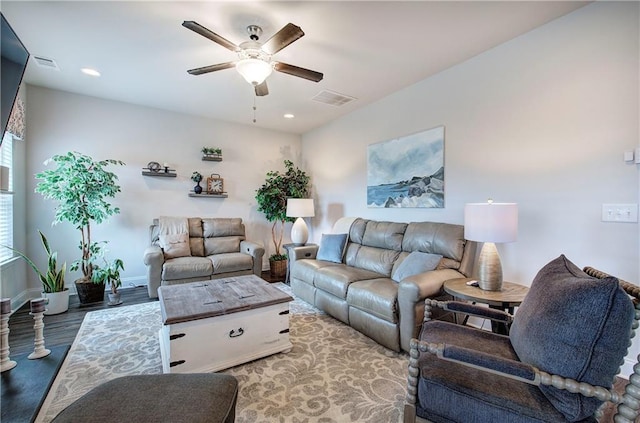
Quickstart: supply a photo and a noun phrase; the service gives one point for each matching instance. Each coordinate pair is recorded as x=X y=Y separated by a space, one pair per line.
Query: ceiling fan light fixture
x=254 y=71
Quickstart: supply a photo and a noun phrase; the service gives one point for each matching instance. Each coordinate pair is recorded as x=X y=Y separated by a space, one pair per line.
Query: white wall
x=59 y=122
x=542 y=120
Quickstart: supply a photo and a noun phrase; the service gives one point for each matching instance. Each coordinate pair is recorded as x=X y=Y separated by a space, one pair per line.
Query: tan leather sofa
x=217 y=248
x=361 y=290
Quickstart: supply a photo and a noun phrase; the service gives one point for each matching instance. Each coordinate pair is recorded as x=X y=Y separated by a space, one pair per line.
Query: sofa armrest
x=153 y=258
x=256 y=251
x=412 y=292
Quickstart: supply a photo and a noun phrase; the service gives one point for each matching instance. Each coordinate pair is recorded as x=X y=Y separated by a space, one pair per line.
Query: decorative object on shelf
x=154 y=169
x=490 y=223
x=212 y=154
x=82 y=186
x=52 y=280
x=37 y=310
x=197 y=177
x=300 y=208
x=272 y=201
x=215 y=184
x=5 y=310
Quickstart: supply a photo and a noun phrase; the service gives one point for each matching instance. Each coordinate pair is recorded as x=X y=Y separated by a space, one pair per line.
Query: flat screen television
x=14 y=62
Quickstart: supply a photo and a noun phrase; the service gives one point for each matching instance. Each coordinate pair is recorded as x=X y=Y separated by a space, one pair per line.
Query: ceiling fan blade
x=196 y=27
x=298 y=71
x=288 y=34
x=262 y=89
x=211 y=68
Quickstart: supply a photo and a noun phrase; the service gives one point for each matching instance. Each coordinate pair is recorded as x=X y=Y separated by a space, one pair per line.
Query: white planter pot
x=58 y=302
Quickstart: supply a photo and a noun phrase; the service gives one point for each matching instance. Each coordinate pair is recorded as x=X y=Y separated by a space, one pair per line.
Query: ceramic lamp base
x=299 y=232
x=489 y=268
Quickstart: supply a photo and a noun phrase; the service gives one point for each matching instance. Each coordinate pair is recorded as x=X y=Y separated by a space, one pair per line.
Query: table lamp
x=300 y=208
x=490 y=223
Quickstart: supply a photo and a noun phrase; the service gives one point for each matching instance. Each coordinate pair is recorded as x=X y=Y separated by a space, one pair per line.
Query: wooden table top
x=511 y=294
x=200 y=300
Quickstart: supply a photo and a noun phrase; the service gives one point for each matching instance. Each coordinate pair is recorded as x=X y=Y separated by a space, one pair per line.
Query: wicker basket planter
x=278 y=269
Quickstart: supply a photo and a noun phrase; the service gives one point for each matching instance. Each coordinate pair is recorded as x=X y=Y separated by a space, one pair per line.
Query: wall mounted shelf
x=204 y=195
x=211 y=159
x=159 y=174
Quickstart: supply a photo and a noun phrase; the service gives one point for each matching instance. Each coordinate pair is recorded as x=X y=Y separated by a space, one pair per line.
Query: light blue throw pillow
x=414 y=263
x=332 y=247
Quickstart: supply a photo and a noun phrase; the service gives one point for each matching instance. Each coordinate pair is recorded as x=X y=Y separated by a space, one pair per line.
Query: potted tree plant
x=109 y=273
x=83 y=187
x=272 y=201
x=52 y=280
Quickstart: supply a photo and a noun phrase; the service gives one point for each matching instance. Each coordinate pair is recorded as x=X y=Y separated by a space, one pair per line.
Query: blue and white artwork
x=407 y=171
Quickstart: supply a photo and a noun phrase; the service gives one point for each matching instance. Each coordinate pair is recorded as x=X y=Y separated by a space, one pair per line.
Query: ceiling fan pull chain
x=254 y=108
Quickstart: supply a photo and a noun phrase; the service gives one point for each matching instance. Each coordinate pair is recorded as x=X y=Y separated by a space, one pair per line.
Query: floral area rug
x=332 y=374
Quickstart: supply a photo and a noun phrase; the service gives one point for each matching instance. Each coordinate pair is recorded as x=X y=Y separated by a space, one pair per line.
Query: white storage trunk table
x=217 y=324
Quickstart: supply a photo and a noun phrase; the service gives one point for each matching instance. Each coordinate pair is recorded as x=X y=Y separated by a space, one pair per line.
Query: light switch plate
x=619 y=212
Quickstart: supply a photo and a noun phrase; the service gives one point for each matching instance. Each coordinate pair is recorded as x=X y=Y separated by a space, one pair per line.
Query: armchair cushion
x=416 y=262
x=450 y=392
x=583 y=320
x=332 y=247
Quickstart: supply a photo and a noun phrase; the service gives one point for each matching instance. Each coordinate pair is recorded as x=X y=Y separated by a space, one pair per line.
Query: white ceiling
x=366 y=50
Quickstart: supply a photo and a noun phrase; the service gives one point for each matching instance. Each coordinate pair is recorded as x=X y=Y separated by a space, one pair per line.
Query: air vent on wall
x=44 y=62
x=332 y=98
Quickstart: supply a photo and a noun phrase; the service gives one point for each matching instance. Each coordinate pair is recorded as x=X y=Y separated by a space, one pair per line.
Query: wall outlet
x=619 y=212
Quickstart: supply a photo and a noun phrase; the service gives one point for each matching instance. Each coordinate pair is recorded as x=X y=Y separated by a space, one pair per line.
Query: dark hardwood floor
x=61 y=329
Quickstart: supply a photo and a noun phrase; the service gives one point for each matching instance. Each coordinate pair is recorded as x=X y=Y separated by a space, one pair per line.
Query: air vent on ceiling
x=44 y=62
x=333 y=98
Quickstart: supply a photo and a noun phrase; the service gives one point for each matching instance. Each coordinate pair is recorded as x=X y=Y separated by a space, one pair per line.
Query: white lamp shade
x=300 y=207
x=254 y=71
x=491 y=222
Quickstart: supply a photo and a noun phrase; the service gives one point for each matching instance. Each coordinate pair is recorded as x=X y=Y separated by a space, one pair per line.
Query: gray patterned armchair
x=567 y=342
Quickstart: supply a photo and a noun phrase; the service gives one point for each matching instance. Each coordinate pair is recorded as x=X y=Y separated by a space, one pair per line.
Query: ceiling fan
x=255 y=62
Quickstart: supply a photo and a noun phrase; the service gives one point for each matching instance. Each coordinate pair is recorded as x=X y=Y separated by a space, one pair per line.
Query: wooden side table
x=507 y=299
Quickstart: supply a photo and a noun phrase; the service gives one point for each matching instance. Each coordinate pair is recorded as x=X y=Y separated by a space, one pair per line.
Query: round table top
x=511 y=294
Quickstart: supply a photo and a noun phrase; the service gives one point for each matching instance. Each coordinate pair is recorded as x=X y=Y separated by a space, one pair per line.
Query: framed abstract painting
x=407 y=171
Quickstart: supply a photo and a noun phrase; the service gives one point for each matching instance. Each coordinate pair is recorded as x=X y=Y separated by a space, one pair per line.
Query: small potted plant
x=211 y=153
x=109 y=273
x=197 y=177
x=52 y=280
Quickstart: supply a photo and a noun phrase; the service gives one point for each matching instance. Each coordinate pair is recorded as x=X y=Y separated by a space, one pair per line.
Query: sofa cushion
x=378 y=297
x=438 y=238
x=187 y=267
x=231 y=262
x=332 y=247
x=218 y=226
x=386 y=235
x=175 y=245
x=221 y=245
x=336 y=279
x=414 y=263
x=307 y=269
x=583 y=320
x=378 y=260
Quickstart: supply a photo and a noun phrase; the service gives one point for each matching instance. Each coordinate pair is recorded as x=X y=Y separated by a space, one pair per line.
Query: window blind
x=6 y=199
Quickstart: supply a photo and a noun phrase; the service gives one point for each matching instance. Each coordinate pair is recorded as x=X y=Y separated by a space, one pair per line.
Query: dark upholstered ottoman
x=175 y=398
